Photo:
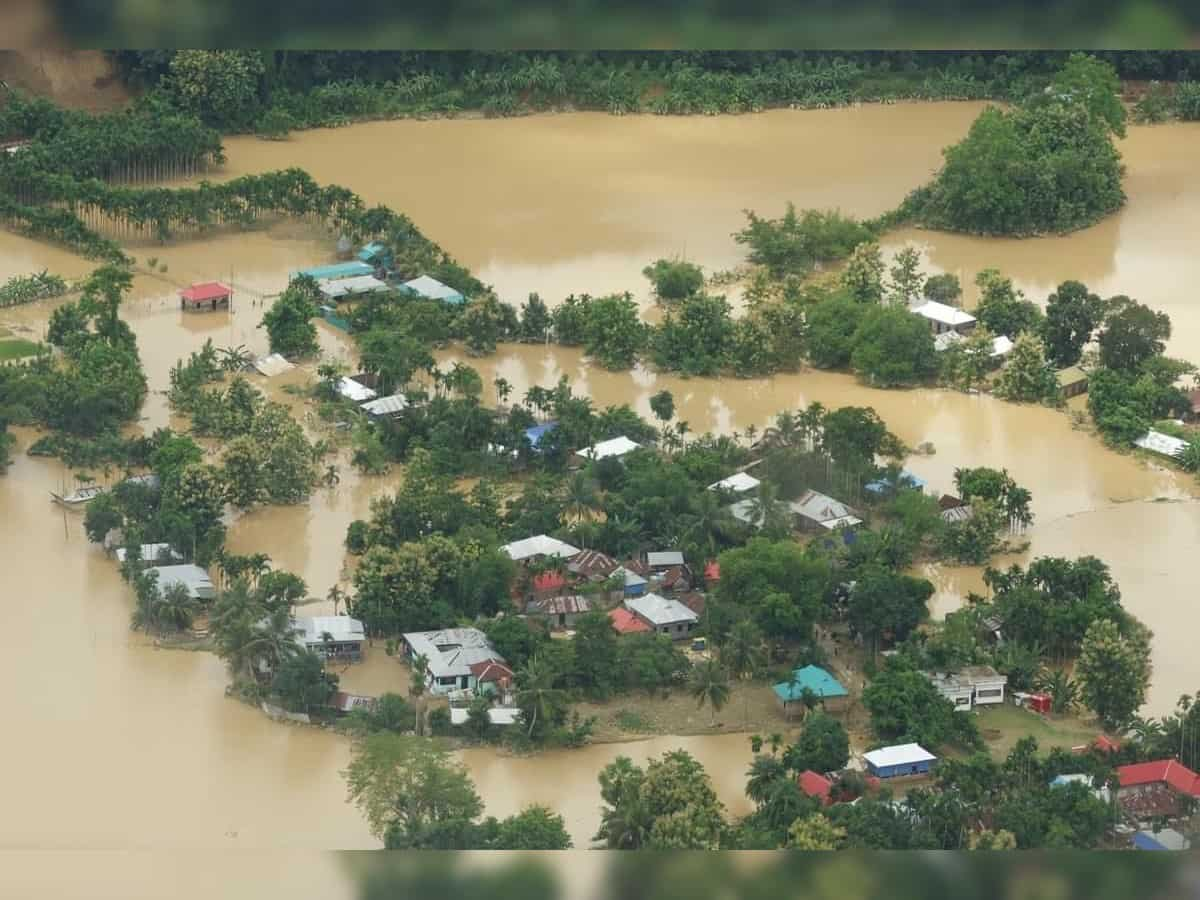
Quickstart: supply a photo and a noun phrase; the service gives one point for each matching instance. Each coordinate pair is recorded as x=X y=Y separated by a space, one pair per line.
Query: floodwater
x=122 y=745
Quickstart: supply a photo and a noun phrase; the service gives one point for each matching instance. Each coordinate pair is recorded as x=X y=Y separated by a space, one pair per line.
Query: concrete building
x=334 y=637
x=943 y=318
x=832 y=693
x=971 y=686
x=452 y=653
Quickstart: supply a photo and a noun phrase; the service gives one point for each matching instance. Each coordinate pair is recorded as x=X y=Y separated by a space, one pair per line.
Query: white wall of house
x=989 y=693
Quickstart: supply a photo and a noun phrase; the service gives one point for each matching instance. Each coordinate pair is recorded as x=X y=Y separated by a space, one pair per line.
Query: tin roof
x=664 y=558
x=335 y=270
x=813 y=678
x=209 y=290
x=815 y=785
x=898 y=755
x=310 y=630
x=737 y=482
x=1157 y=442
x=659 y=610
x=616 y=447
x=335 y=288
x=452 y=651
x=433 y=289
x=1167 y=771
x=539 y=545
x=943 y=314
x=194 y=578
x=385 y=406
x=571 y=604
x=353 y=391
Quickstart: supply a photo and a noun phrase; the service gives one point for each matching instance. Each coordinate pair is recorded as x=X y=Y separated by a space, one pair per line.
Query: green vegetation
x=674 y=279
x=18 y=348
x=28 y=288
x=1047 y=165
x=289 y=321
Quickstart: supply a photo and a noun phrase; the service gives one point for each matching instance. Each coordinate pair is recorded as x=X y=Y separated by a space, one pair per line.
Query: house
x=906 y=479
x=832 y=693
x=1164 y=788
x=376 y=254
x=1002 y=345
x=899 y=761
x=971 y=686
x=1163 y=839
x=336 y=289
x=943 y=318
x=389 y=407
x=450 y=654
x=1072 y=381
x=816 y=786
x=957 y=513
x=635 y=584
x=210 y=295
x=815 y=510
x=1162 y=444
x=561 y=611
x=663 y=614
x=748 y=511
x=1100 y=793
x=354 y=390
x=592 y=565
x=195 y=579
x=152 y=553
x=335 y=270
x=535 y=434
x=661 y=561
x=694 y=601
x=737 y=483
x=334 y=637
x=432 y=289
x=538 y=547
x=614 y=448
x=625 y=622
x=492 y=677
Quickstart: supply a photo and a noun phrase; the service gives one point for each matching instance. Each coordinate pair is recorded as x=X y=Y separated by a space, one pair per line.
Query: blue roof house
x=376 y=254
x=635 y=584
x=535 y=434
x=336 y=270
x=907 y=479
x=899 y=761
x=832 y=693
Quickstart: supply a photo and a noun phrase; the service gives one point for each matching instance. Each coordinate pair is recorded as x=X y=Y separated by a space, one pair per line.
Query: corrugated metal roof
x=335 y=270
x=385 y=406
x=943 y=314
x=433 y=289
x=152 y=553
x=353 y=391
x=209 y=290
x=194 y=578
x=659 y=610
x=818 y=507
x=664 y=558
x=898 y=755
x=463 y=647
x=310 y=629
x=812 y=678
x=737 y=482
x=616 y=447
x=626 y=622
x=539 y=545
x=335 y=288
x=571 y=604
x=1165 y=444
x=272 y=365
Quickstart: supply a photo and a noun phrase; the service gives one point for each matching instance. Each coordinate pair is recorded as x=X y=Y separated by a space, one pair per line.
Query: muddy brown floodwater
x=115 y=743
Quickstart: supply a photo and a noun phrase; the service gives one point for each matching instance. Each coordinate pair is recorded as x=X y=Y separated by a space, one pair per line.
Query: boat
x=79 y=497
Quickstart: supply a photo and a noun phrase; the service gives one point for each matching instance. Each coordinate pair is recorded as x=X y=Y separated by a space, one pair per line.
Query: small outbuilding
x=389 y=407
x=376 y=253
x=906 y=479
x=355 y=391
x=899 y=761
x=635 y=584
x=535 y=434
x=152 y=553
x=333 y=637
x=1072 y=381
x=560 y=611
x=814 y=510
x=211 y=295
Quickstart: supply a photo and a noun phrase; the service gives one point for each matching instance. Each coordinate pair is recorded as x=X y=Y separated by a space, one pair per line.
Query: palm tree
x=235 y=359
x=709 y=523
x=742 y=654
x=416 y=686
x=768 y=512
x=176 y=607
x=581 y=497
x=764 y=773
x=710 y=684
x=775 y=741
x=336 y=596
x=503 y=390
x=536 y=694
x=784 y=432
x=1145 y=731
x=811 y=425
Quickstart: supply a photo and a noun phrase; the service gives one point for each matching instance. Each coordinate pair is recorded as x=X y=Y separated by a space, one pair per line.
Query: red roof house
x=1105 y=744
x=625 y=622
x=815 y=785
x=493 y=671
x=549 y=581
x=1163 y=771
x=210 y=295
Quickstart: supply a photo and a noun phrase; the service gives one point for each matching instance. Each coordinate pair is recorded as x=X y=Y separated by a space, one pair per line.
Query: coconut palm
x=537 y=696
x=235 y=359
x=742 y=654
x=768 y=512
x=811 y=423
x=1145 y=731
x=709 y=525
x=710 y=684
x=765 y=772
x=1064 y=693
x=176 y=607
x=336 y=596
x=581 y=497
x=783 y=433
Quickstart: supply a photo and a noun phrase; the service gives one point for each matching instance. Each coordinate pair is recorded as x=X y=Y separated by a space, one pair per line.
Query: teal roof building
x=812 y=678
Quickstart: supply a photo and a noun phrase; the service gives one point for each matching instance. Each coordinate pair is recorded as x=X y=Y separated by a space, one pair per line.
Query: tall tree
x=1072 y=315
x=1114 y=670
x=709 y=684
x=1132 y=334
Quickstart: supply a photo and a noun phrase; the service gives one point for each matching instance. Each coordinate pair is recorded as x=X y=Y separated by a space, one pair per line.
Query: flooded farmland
x=121 y=744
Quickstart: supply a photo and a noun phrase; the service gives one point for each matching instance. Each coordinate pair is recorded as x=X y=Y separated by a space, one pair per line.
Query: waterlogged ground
x=120 y=744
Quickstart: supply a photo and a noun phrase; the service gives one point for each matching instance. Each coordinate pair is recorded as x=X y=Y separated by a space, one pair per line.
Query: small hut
x=211 y=295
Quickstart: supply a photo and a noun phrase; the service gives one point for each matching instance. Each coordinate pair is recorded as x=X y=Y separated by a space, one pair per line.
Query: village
x=517 y=570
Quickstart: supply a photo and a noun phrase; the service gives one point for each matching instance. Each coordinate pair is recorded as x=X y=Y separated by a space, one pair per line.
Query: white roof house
x=391 y=405
x=272 y=365
x=1001 y=345
x=946 y=316
x=452 y=651
x=152 y=553
x=660 y=611
x=311 y=630
x=899 y=755
x=433 y=289
x=1157 y=442
x=824 y=510
x=337 y=288
x=539 y=545
x=194 y=578
x=616 y=447
x=353 y=391
x=664 y=559
x=498 y=715
x=738 y=482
